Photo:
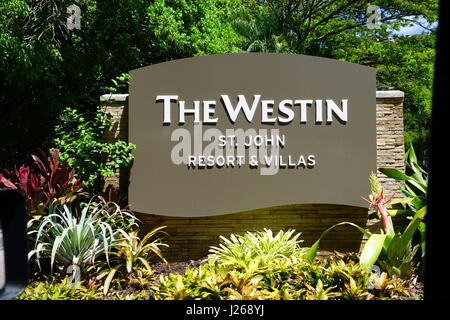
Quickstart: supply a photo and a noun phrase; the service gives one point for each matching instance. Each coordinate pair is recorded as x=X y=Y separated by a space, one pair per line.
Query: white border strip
x=390 y=94
x=114 y=97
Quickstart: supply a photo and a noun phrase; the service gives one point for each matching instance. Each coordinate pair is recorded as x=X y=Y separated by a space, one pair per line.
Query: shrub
x=58 y=290
x=131 y=260
x=278 y=279
x=68 y=239
x=240 y=249
x=393 y=251
x=415 y=190
x=51 y=180
x=82 y=145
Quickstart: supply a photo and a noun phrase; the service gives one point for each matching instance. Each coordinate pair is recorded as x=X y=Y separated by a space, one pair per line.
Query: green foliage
x=142 y=295
x=181 y=28
x=260 y=31
x=337 y=277
x=120 y=84
x=321 y=27
x=281 y=277
x=45 y=69
x=405 y=63
x=415 y=190
x=392 y=251
x=58 y=290
x=338 y=30
x=278 y=279
x=397 y=254
x=34 y=80
x=242 y=249
x=71 y=239
x=130 y=259
x=82 y=145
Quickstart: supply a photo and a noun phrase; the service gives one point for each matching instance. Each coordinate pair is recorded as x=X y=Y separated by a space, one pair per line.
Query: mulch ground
x=162 y=269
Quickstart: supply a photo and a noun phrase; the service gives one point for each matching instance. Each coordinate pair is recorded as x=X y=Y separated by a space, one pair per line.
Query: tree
x=311 y=26
x=45 y=68
x=338 y=29
x=405 y=63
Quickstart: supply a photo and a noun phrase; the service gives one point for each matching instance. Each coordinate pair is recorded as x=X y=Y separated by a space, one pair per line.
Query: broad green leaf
x=146 y=264
x=421 y=186
x=411 y=155
x=371 y=250
x=312 y=252
x=397 y=212
x=418 y=203
x=390 y=225
x=402 y=201
x=412 y=227
x=110 y=278
x=394 y=173
x=395 y=249
x=422 y=229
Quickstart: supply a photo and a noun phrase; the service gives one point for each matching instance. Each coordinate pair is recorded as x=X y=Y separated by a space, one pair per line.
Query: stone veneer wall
x=390 y=139
x=190 y=238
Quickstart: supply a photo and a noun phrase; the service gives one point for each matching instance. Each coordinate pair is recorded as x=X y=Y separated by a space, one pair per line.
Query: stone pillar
x=390 y=138
x=390 y=143
x=116 y=105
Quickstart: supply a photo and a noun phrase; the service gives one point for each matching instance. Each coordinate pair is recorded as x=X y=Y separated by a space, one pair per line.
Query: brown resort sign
x=229 y=133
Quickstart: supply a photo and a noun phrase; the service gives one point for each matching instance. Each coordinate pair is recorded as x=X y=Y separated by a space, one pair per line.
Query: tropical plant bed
x=408 y=289
x=252 y=266
x=414 y=291
x=89 y=248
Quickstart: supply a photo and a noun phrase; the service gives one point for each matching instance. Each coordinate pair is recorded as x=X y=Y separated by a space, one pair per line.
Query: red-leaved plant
x=51 y=180
x=111 y=194
x=29 y=183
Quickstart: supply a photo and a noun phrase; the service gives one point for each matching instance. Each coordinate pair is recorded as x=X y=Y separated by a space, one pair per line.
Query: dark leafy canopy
x=316 y=27
x=44 y=68
x=405 y=63
x=338 y=29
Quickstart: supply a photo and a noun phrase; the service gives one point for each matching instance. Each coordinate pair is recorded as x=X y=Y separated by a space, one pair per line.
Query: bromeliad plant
x=68 y=239
x=391 y=250
x=58 y=290
x=55 y=290
x=277 y=279
x=131 y=258
x=242 y=249
x=378 y=201
x=415 y=190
